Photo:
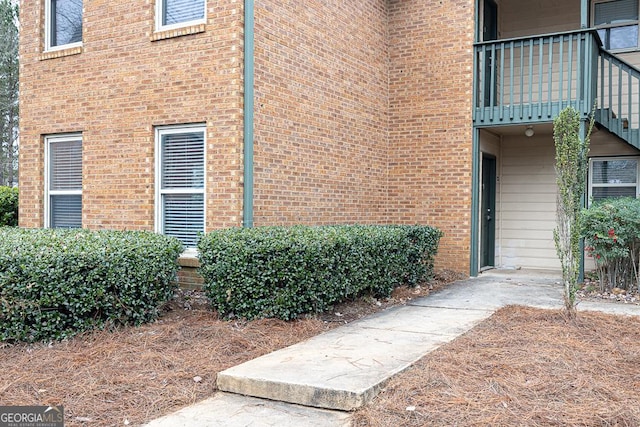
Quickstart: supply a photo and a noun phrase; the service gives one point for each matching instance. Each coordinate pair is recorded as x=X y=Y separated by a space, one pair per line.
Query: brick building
x=184 y=116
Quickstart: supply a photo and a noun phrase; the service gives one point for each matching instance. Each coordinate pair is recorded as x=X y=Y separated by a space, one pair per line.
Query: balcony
x=529 y=80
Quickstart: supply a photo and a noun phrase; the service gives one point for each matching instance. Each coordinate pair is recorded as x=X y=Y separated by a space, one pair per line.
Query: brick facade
x=430 y=122
x=321 y=112
x=362 y=112
x=122 y=82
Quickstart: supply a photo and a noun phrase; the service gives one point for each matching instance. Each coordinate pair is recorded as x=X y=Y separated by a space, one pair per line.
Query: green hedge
x=8 y=206
x=55 y=283
x=284 y=272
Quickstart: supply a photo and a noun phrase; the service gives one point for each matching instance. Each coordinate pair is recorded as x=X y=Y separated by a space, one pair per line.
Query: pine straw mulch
x=130 y=376
x=522 y=366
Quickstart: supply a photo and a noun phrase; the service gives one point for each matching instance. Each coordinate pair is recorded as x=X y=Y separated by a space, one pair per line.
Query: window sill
x=177 y=32
x=61 y=52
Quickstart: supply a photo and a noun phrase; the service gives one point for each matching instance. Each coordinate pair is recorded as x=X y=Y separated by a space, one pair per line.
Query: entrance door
x=489 y=32
x=488 y=212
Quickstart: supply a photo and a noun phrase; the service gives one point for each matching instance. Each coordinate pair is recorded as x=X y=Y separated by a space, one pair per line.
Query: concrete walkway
x=314 y=383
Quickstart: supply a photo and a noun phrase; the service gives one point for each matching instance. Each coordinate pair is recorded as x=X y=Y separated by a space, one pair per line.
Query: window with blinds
x=63 y=23
x=64 y=181
x=176 y=13
x=180 y=182
x=613 y=177
x=617 y=23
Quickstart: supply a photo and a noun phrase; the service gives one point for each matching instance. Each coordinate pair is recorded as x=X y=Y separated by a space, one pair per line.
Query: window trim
x=590 y=183
x=622 y=24
x=48 y=19
x=159 y=212
x=159 y=12
x=47 y=169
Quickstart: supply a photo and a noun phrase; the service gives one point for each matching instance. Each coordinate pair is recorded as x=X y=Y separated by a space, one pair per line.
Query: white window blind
x=183 y=217
x=64 y=181
x=181 y=11
x=183 y=160
x=66 y=211
x=616 y=12
x=613 y=178
x=181 y=182
x=64 y=19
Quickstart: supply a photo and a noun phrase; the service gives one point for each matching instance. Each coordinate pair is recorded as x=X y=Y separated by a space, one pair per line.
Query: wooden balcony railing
x=530 y=79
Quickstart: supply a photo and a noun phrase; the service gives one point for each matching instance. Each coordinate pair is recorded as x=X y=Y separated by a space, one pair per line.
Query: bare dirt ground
x=520 y=367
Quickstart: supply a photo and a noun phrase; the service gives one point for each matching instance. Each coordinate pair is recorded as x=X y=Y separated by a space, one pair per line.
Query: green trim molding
x=248 y=109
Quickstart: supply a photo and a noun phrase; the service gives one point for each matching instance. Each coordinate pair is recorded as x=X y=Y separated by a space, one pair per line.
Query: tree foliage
x=9 y=71
x=571 y=174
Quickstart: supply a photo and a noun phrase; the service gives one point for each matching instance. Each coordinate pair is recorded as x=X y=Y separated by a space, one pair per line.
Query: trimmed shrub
x=612 y=232
x=56 y=283
x=8 y=206
x=284 y=272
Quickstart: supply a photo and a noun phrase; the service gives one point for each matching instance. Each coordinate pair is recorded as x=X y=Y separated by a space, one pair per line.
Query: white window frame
x=160 y=15
x=591 y=185
x=47 y=30
x=622 y=24
x=159 y=191
x=48 y=140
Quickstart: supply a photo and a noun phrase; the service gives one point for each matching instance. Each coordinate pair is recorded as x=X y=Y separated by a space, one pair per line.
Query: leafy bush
x=612 y=232
x=286 y=271
x=8 y=206
x=55 y=283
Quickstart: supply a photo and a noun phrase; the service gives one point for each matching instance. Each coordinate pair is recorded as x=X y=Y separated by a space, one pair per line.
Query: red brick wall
x=430 y=133
x=321 y=112
x=115 y=91
x=362 y=112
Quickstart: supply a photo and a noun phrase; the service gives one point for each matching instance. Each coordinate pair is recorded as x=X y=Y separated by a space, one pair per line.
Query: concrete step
x=232 y=410
x=345 y=368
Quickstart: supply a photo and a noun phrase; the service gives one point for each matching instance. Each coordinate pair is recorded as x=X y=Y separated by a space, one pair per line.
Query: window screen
x=616 y=12
x=179 y=11
x=621 y=19
x=613 y=178
x=64 y=200
x=182 y=183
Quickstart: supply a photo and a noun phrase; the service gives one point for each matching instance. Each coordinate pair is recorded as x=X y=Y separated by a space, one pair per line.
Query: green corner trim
x=475 y=196
x=248 y=110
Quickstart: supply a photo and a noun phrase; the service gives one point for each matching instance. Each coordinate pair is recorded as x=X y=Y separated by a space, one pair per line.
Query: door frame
x=487 y=219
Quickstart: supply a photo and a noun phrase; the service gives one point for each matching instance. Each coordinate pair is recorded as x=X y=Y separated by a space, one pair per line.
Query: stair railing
x=619 y=97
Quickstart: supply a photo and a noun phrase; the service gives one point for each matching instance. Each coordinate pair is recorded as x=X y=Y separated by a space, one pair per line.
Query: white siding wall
x=526 y=195
x=527 y=203
x=605 y=144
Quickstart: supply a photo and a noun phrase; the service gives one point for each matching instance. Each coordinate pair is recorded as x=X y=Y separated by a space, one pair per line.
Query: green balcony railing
x=530 y=79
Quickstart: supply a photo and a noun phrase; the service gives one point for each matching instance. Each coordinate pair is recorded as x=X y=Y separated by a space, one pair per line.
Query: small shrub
x=284 y=272
x=8 y=206
x=612 y=232
x=56 y=283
